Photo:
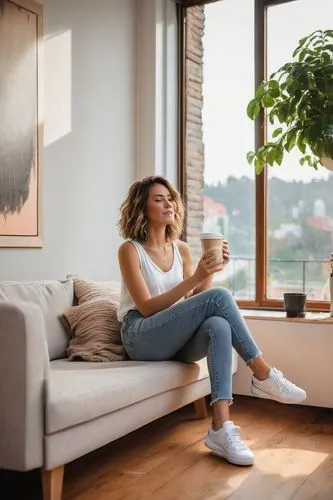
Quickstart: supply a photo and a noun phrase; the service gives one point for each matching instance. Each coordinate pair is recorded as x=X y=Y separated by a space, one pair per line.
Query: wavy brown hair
x=133 y=223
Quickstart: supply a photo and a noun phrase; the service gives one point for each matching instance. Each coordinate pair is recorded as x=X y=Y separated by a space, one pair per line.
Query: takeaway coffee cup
x=210 y=241
x=294 y=304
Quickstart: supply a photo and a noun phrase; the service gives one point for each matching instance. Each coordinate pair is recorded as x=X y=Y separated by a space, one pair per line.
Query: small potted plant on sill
x=298 y=102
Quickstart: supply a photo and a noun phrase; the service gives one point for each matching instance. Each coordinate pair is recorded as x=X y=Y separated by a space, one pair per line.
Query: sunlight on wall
x=58 y=86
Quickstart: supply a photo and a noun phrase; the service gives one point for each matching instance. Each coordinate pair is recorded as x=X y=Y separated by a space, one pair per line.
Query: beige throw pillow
x=94 y=331
x=86 y=290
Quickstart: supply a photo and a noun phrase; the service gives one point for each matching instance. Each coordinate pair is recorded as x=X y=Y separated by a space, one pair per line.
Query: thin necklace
x=164 y=258
x=164 y=255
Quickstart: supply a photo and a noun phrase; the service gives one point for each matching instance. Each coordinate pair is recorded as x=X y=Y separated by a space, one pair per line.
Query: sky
x=229 y=80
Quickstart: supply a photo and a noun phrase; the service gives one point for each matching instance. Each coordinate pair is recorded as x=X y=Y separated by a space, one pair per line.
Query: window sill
x=262 y=314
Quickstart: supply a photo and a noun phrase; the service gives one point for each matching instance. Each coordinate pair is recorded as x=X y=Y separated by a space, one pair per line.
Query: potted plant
x=298 y=102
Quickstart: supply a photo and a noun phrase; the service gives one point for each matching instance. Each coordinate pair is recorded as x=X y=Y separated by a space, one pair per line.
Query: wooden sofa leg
x=52 y=481
x=200 y=407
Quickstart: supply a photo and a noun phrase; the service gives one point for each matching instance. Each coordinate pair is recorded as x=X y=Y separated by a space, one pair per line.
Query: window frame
x=193 y=3
x=261 y=193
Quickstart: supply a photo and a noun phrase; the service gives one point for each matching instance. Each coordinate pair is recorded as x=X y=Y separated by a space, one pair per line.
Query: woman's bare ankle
x=261 y=375
x=260 y=368
x=217 y=425
x=220 y=414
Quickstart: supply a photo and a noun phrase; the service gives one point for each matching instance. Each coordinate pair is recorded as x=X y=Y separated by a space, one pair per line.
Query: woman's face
x=160 y=207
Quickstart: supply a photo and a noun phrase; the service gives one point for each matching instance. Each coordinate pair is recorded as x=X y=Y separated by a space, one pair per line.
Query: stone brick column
x=194 y=147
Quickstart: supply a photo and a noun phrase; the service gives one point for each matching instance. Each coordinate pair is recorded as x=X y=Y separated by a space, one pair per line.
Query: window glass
x=300 y=203
x=229 y=189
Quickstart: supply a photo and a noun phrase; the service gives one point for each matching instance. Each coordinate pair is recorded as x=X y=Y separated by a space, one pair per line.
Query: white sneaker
x=226 y=443
x=277 y=387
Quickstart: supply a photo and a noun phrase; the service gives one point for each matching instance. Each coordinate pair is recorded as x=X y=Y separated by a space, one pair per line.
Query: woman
x=158 y=325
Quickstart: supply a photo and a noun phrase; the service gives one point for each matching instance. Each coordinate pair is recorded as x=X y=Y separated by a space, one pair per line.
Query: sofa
x=53 y=410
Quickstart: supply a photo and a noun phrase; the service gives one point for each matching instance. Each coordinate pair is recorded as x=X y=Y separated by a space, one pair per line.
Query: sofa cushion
x=87 y=290
x=79 y=392
x=94 y=331
x=53 y=297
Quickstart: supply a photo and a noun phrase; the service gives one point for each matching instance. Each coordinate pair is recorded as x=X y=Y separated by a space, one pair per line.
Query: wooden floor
x=167 y=460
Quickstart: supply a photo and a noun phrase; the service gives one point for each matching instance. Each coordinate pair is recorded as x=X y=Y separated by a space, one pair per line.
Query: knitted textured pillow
x=94 y=331
x=86 y=290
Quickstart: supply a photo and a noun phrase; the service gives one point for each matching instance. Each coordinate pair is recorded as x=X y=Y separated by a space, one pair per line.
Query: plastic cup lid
x=211 y=236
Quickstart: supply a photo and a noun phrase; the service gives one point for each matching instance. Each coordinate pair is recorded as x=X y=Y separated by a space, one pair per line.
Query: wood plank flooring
x=167 y=460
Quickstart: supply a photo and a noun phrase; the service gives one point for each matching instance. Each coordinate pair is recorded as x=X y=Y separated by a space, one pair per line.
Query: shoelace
x=234 y=439
x=282 y=383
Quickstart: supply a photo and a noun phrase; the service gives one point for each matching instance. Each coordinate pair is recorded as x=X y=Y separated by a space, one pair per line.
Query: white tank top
x=156 y=280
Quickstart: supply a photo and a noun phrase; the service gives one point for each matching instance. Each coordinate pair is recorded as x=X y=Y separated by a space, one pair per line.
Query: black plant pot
x=294 y=304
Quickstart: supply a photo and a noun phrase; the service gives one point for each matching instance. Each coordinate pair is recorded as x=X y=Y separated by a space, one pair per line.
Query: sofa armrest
x=23 y=367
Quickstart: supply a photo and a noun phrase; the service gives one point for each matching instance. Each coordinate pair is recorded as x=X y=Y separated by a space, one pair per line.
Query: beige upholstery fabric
x=53 y=297
x=77 y=392
x=23 y=367
x=86 y=290
x=94 y=331
x=74 y=442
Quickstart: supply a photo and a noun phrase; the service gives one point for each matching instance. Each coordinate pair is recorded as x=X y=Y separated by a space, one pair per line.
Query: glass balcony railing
x=309 y=276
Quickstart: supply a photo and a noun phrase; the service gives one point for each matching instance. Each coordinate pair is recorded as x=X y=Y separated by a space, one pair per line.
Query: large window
x=279 y=224
x=300 y=206
x=229 y=188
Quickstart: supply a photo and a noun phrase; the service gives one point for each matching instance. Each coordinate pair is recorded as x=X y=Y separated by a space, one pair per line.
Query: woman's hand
x=209 y=264
x=225 y=253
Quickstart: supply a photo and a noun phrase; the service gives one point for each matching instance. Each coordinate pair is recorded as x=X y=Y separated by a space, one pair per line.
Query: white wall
x=157 y=89
x=110 y=117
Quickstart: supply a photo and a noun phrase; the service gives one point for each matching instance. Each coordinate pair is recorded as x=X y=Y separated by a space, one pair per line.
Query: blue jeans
x=207 y=324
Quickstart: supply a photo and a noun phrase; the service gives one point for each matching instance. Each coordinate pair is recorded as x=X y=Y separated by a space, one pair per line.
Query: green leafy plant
x=299 y=96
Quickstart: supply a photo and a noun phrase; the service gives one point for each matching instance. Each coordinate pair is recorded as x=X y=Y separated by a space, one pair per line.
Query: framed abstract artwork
x=20 y=123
